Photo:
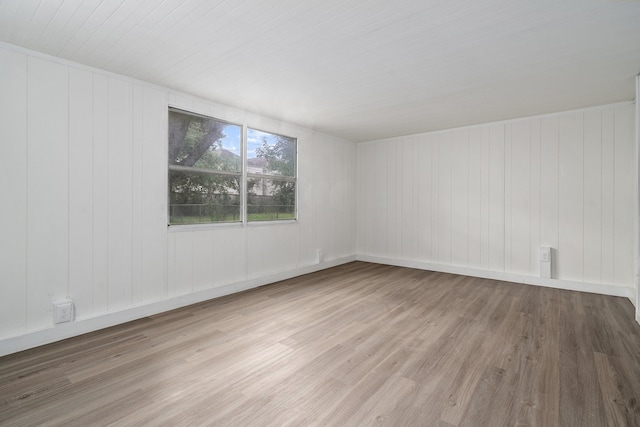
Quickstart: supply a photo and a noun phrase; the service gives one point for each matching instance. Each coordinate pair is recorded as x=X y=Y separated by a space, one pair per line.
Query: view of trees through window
x=206 y=176
x=271 y=176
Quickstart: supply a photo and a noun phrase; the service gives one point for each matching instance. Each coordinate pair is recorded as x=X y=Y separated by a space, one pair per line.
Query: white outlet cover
x=545 y=254
x=62 y=312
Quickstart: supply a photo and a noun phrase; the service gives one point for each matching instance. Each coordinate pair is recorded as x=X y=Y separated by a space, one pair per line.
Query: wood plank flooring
x=357 y=345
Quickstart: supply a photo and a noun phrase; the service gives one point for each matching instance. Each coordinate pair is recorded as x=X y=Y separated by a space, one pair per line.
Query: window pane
x=202 y=142
x=270 y=154
x=269 y=199
x=196 y=198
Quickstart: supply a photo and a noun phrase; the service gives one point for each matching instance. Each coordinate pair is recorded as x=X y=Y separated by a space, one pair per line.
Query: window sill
x=177 y=228
x=209 y=226
x=272 y=222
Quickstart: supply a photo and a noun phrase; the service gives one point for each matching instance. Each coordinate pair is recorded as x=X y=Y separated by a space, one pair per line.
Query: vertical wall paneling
x=238 y=257
x=624 y=179
x=222 y=257
x=607 y=208
x=171 y=264
x=535 y=198
x=445 y=199
x=263 y=256
x=508 y=197
x=306 y=255
x=287 y=246
x=81 y=190
x=341 y=214
x=494 y=194
x=13 y=192
x=636 y=146
x=345 y=214
x=520 y=197
x=332 y=202
x=259 y=254
x=100 y=235
x=361 y=212
x=120 y=193
x=475 y=229
x=321 y=167
x=86 y=177
x=379 y=194
x=571 y=193
x=496 y=198
x=348 y=189
x=47 y=189
x=349 y=199
x=153 y=165
x=434 y=144
x=328 y=202
x=408 y=218
x=339 y=219
x=183 y=263
x=368 y=181
x=137 y=132
x=593 y=172
x=423 y=187
x=460 y=198
x=484 y=140
x=394 y=183
x=549 y=196
x=202 y=261
x=370 y=201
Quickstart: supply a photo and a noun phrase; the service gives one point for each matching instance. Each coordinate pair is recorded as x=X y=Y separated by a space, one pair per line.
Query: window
x=205 y=169
x=271 y=176
x=207 y=182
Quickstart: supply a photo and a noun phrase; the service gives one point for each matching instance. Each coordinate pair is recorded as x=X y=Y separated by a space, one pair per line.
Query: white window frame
x=293 y=178
x=239 y=174
x=243 y=176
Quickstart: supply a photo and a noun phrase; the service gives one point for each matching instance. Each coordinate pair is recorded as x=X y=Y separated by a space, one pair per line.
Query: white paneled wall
x=13 y=192
x=84 y=200
x=485 y=198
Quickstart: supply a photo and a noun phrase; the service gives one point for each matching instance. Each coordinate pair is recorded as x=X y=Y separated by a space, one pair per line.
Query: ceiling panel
x=359 y=69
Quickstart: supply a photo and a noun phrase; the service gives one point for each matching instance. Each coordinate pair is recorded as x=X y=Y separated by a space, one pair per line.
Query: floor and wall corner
x=479 y=200
x=457 y=244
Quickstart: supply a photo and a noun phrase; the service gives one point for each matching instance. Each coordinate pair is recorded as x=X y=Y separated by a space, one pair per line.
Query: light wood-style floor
x=361 y=344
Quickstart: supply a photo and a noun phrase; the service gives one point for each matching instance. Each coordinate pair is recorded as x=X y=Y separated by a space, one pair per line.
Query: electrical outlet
x=545 y=254
x=62 y=312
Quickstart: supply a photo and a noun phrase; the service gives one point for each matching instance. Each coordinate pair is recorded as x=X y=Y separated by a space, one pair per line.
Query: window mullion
x=243 y=186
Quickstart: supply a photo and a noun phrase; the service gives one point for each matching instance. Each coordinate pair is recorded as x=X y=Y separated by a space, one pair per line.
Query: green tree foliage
x=281 y=160
x=197 y=142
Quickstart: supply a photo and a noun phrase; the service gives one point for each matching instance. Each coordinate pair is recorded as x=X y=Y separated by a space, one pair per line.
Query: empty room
x=319 y=213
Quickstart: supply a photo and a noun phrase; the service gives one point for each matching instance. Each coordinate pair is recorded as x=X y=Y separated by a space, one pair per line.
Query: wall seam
x=613 y=201
x=68 y=180
x=601 y=197
x=93 y=196
x=558 y=203
x=468 y=195
x=583 y=196
x=26 y=191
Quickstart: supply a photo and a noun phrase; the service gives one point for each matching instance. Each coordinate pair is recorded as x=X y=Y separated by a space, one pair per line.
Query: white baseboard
x=90 y=324
x=84 y=325
x=618 y=291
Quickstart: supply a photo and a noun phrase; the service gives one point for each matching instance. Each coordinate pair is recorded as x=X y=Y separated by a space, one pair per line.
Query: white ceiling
x=359 y=69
